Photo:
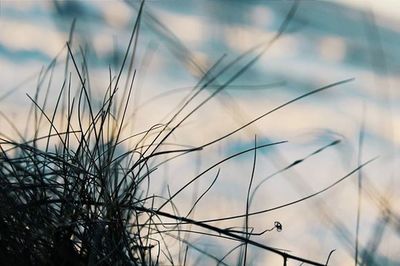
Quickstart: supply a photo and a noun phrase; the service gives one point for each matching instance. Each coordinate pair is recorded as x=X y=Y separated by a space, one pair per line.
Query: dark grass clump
x=72 y=204
x=76 y=195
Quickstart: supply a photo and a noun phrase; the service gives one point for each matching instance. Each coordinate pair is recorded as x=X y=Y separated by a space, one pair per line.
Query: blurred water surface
x=324 y=42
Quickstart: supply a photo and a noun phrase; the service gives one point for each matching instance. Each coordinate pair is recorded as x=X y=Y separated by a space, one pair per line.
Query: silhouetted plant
x=78 y=196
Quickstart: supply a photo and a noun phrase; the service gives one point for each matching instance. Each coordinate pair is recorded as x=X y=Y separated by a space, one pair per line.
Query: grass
x=74 y=194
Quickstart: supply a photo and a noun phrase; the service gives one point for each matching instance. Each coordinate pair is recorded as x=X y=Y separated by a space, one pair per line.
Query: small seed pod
x=278 y=226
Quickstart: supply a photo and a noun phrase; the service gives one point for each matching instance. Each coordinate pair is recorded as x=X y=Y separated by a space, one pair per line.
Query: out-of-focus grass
x=76 y=195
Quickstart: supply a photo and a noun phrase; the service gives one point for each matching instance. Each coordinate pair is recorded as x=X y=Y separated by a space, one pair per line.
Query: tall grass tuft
x=74 y=194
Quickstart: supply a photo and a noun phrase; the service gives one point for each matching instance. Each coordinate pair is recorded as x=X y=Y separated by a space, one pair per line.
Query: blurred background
x=323 y=42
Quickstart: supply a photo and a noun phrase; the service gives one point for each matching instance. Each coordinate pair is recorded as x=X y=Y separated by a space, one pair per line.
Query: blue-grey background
x=325 y=42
